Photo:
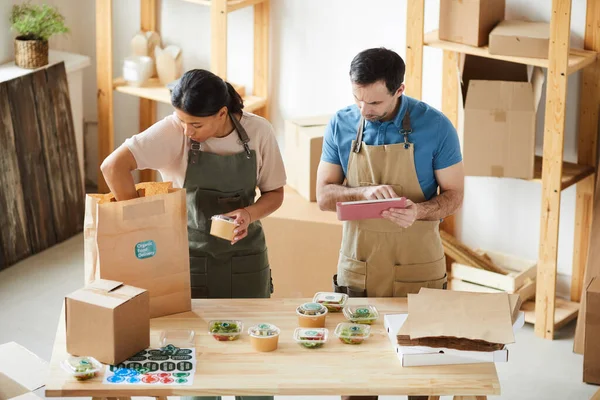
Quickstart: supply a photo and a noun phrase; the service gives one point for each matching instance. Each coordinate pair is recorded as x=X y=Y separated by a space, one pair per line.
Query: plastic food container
x=311 y=338
x=222 y=227
x=264 y=337
x=311 y=315
x=182 y=338
x=350 y=333
x=364 y=314
x=137 y=69
x=82 y=368
x=334 y=302
x=225 y=330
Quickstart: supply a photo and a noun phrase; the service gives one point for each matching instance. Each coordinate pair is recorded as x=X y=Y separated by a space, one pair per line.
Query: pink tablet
x=367 y=209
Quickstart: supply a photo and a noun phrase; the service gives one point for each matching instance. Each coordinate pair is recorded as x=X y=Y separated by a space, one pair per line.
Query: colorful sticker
x=145 y=249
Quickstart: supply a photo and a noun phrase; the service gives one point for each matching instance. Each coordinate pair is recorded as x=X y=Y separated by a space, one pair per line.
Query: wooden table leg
x=470 y=397
x=434 y=398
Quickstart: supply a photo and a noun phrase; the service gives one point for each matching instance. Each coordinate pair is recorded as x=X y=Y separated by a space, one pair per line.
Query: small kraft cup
x=222 y=227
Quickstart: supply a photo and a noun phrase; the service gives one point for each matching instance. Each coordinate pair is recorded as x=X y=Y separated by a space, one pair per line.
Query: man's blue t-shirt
x=435 y=140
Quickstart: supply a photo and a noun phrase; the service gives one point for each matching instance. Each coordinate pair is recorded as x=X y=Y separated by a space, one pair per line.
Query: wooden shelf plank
x=578 y=59
x=571 y=172
x=565 y=312
x=154 y=90
x=232 y=5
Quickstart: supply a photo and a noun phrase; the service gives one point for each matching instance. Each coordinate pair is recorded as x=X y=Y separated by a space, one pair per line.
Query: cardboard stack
x=469 y=22
x=447 y=327
x=21 y=372
x=520 y=39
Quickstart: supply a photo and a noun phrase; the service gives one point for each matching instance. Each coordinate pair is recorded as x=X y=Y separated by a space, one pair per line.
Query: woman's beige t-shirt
x=164 y=147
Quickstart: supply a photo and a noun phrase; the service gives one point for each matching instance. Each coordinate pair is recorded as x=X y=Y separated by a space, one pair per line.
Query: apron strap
x=359 y=135
x=242 y=134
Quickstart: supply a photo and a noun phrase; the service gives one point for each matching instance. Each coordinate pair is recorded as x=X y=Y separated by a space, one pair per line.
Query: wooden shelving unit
x=548 y=312
x=153 y=91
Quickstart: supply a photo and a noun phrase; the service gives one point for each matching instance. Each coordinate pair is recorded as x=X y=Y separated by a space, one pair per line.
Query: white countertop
x=73 y=62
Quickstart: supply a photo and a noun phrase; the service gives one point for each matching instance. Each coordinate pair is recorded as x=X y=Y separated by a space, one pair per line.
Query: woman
x=219 y=154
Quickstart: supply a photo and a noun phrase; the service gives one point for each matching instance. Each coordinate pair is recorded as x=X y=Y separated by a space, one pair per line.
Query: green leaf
x=36 y=22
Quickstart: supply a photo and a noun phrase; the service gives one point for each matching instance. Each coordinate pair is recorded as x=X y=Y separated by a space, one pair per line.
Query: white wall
x=312 y=44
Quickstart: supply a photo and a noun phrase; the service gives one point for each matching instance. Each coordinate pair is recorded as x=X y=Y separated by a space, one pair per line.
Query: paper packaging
x=303 y=145
x=21 y=372
x=298 y=272
x=520 y=39
x=476 y=316
x=500 y=118
x=469 y=22
x=108 y=321
x=591 y=353
x=141 y=242
x=222 y=227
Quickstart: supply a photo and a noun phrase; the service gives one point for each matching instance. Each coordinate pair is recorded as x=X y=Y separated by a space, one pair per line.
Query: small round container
x=82 y=368
x=334 y=302
x=222 y=227
x=311 y=338
x=137 y=69
x=311 y=315
x=365 y=314
x=350 y=333
x=178 y=337
x=225 y=330
x=264 y=337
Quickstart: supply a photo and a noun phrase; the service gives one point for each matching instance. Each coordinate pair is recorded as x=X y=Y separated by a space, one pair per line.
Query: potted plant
x=34 y=25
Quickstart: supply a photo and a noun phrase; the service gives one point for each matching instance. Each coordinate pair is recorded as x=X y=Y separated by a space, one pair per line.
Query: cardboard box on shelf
x=303 y=145
x=500 y=118
x=304 y=244
x=108 y=321
x=469 y=22
x=520 y=39
x=591 y=352
x=21 y=372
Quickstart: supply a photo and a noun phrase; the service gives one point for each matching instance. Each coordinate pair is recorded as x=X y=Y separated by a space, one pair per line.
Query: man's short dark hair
x=378 y=64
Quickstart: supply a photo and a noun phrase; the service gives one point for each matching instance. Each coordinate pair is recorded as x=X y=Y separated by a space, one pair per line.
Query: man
x=389 y=145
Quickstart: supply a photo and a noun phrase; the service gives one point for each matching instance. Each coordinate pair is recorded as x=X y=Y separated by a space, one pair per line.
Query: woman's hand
x=242 y=220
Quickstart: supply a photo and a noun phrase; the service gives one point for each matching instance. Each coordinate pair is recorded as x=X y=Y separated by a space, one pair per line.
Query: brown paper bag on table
x=141 y=242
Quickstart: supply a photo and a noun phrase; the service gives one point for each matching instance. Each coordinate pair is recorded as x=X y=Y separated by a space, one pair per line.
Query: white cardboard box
x=413 y=356
x=21 y=372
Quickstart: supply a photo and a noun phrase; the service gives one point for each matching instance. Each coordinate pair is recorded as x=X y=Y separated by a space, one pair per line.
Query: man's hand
x=379 y=192
x=242 y=220
x=403 y=217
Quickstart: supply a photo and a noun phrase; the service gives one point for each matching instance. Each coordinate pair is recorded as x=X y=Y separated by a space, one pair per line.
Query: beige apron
x=378 y=258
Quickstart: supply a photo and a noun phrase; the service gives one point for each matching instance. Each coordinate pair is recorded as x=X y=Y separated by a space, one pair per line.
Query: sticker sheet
x=167 y=366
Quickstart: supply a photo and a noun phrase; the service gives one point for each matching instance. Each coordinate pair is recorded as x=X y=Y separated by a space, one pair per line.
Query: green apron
x=217 y=184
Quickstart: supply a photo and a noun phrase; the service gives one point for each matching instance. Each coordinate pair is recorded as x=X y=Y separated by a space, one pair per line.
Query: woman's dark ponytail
x=235 y=103
x=202 y=94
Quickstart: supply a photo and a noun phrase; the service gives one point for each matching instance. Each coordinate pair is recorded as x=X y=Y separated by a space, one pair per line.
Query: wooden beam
x=261 y=54
x=414 y=48
x=588 y=139
x=148 y=22
x=450 y=105
x=554 y=135
x=104 y=77
x=218 y=37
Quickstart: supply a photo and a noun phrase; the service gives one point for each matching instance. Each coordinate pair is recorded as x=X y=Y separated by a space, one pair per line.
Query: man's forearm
x=330 y=194
x=441 y=206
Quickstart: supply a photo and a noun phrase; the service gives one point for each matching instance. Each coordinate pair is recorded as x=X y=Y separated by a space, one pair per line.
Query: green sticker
x=145 y=249
x=152 y=366
x=185 y=366
x=167 y=366
x=363 y=311
x=181 y=380
x=181 y=374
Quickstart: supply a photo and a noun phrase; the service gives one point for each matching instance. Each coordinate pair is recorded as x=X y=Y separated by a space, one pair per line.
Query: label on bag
x=145 y=249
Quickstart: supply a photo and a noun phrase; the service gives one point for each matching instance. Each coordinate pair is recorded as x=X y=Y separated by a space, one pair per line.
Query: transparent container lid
x=330 y=298
x=263 y=330
x=312 y=309
x=222 y=218
x=311 y=335
x=361 y=313
x=225 y=327
x=347 y=330
x=81 y=367
x=182 y=338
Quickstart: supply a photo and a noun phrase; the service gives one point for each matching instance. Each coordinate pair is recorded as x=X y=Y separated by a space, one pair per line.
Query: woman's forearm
x=117 y=171
x=266 y=204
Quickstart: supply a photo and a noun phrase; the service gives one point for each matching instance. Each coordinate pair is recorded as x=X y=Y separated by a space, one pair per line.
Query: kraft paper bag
x=143 y=243
x=446 y=313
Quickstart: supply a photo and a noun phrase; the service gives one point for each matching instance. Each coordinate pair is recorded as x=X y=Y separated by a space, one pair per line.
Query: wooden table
x=234 y=368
